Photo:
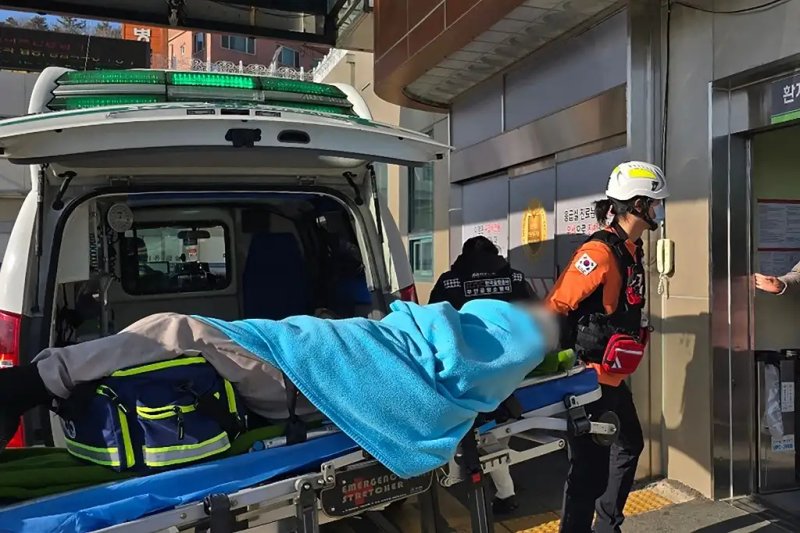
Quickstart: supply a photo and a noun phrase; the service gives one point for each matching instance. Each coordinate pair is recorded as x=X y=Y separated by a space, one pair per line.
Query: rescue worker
x=600 y=296
x=481 y=272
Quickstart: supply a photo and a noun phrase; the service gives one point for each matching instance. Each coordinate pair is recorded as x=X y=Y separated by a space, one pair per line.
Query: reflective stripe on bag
x=153 y=367
x=100 y=456
x=172 y=455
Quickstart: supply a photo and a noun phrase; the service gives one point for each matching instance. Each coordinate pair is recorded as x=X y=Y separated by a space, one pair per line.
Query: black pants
x=600 y=478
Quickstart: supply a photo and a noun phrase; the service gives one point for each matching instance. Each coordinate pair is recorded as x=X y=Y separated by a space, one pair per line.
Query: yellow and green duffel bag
x=152 y=417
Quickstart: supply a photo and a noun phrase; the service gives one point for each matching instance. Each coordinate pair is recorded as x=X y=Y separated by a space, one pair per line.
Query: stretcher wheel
x=609 y=417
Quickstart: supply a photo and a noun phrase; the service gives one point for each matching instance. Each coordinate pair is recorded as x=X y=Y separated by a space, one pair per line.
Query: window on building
x=420 y=221
x=171 y=258
x=420 y=253
x=239 y=43
x=183 y=50
x=289 y=57
x=199 y=43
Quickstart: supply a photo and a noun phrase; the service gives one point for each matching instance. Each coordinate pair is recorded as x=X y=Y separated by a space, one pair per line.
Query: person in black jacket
x=480 y=272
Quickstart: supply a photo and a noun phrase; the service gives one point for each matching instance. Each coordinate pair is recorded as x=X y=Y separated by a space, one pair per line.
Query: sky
x=20 y=16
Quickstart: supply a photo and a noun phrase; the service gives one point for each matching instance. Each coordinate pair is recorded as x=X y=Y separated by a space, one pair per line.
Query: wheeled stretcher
x=328 y=477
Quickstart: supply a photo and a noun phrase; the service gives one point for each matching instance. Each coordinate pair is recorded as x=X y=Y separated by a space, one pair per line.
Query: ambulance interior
x=265 y=256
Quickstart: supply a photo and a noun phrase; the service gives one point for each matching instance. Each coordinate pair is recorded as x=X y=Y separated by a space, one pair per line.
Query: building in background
x=417 y=198
x=193 y=50
x=190 y=50
x=154 y=36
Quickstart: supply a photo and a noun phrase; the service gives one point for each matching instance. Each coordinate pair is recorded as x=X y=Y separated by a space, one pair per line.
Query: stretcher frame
x=294 y=504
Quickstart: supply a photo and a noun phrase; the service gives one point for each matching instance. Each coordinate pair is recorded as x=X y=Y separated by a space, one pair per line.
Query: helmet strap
x=645 y=215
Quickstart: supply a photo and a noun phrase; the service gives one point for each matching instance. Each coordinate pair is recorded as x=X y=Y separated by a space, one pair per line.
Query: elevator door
x=776 y=249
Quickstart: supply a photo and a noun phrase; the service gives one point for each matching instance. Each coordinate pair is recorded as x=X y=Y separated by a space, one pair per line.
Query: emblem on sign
x=366 y=486
x=534 y=227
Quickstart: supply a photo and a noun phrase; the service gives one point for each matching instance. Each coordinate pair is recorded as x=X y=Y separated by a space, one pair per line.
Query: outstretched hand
x=769 y=284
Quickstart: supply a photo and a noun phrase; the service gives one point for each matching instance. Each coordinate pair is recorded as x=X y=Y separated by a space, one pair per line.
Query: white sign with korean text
x=142 y=34
x=778 y=224
x=784 y=444
x=787 y=396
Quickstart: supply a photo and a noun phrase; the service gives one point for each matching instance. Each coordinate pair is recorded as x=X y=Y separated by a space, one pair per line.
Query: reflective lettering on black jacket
x=459 y=286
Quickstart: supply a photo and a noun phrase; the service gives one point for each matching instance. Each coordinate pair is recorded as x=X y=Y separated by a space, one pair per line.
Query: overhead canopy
x=312 y=21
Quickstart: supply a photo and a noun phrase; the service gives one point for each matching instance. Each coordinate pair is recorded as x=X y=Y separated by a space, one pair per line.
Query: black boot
x=21 y=389
x=504 y=507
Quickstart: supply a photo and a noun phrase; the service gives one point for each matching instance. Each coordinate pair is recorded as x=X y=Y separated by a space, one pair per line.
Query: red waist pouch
x=624 y=353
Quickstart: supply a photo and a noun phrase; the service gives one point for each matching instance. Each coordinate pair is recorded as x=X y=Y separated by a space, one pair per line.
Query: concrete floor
x=701 y=516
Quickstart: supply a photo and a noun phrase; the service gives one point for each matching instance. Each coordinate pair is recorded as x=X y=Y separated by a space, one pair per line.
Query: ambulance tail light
x=409 y=294
x=9 y=356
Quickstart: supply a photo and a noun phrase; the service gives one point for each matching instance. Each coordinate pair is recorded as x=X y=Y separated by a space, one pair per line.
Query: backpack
x=153 y=417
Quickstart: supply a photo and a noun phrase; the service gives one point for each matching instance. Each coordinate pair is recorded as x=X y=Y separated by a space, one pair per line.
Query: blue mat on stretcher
x=550 y=392
x=123 y=501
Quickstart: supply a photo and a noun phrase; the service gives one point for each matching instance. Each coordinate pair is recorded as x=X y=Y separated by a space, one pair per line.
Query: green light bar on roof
x=301 y=87
x=200 y=79
x=212 y=79
x=285 y=96
x=99 y=77
x=189 y=93
x=69 y=103
x=80 y=90
x=317 y=108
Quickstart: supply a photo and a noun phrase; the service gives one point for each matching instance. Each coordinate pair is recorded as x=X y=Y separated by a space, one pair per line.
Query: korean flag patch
x=585 y=264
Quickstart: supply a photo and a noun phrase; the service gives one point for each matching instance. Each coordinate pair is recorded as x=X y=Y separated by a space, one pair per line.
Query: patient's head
x=548 y=323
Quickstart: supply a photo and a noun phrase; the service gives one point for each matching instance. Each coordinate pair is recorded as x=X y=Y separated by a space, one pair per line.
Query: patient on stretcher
x=407 y=388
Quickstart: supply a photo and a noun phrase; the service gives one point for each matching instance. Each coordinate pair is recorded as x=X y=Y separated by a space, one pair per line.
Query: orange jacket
x=582 y=278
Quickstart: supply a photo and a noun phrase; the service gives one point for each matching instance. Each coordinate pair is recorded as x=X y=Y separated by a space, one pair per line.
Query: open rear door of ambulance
x=185 y=141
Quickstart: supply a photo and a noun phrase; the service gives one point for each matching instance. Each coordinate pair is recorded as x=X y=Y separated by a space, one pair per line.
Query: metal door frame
x=740 y=109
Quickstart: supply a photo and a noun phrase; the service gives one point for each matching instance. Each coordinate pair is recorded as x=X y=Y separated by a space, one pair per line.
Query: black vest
x=628 y=315
x=459 y=287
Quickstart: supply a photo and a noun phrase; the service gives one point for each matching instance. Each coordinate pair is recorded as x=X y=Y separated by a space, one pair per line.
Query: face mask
x=660 y=214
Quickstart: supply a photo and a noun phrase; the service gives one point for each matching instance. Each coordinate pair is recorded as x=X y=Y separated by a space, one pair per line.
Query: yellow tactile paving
x=547 y=523
x=639 y=502
x=644 y=501
x=527 y=522
x=547 y=527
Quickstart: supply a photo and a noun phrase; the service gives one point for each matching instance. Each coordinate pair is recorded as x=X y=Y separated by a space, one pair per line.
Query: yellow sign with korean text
x=534 y=227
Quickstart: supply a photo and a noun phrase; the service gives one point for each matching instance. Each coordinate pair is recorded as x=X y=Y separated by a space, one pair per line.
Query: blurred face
x=547 y=322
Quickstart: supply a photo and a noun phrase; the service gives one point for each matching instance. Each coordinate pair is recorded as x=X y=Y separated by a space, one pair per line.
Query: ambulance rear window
x=175 y=258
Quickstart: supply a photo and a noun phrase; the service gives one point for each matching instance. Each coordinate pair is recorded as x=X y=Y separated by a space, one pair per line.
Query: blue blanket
x=407 y=388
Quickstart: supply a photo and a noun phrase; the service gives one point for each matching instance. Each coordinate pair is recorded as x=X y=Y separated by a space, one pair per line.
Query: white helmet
x=636 y=178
